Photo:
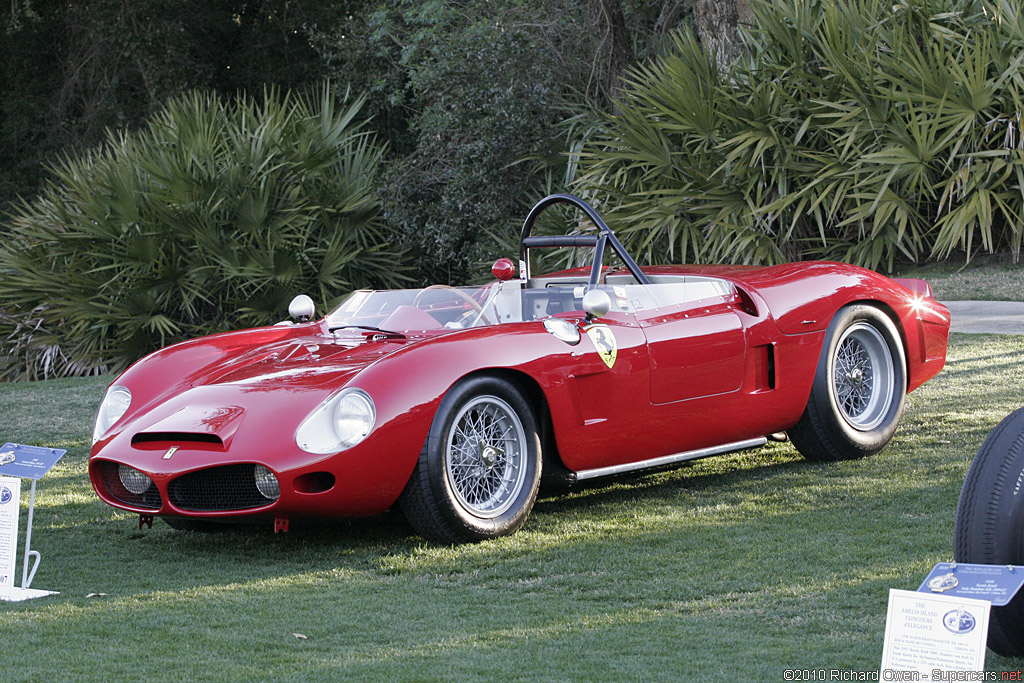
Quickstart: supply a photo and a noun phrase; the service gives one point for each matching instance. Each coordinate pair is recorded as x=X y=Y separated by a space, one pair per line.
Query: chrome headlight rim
x=112 y=408
x=341 y=422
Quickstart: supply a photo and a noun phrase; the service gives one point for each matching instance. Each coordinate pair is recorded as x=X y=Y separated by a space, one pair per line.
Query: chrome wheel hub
x=863 y=377
x=485 y=456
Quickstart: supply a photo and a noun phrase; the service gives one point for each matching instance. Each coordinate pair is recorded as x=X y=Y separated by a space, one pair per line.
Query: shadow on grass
x=628 y=590
x=165 y=559
x=742 y=565
x=688 y=475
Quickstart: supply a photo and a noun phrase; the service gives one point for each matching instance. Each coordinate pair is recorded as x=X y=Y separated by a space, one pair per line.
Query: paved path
x=987 y=317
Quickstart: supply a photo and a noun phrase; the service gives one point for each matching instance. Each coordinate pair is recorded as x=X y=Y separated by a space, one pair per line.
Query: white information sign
x=10 y=505
x=933 y=634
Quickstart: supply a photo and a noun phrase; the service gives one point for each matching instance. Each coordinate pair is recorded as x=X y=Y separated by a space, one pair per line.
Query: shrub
x=865 y=131
x=465 y=89
x=210 y=218
x=479 y=90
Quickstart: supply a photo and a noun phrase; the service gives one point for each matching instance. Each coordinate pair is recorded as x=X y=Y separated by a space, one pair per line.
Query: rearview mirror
x=596 y=304
x=301 y=308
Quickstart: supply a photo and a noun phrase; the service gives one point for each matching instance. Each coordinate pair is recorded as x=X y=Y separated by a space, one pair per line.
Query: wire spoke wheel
x=486 y=456
x=862 y=377
x=859 y=388
x=479 y=472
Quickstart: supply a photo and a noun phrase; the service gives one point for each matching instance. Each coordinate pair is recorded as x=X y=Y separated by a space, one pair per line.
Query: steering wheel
x=470 y=300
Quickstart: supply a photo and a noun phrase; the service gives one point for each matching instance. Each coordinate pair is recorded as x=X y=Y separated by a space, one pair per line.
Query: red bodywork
x=699 y=375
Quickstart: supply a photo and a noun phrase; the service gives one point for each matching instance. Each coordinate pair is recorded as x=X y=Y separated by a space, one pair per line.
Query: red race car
x=453 y=402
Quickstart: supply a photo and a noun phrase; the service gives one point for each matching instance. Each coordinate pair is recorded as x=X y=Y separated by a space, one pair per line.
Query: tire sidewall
x=464 y=521
x=990 y=521
x=857 y=442
x=997 y=480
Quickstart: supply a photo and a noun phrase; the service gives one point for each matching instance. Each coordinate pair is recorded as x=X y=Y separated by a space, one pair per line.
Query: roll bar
x=604 y=238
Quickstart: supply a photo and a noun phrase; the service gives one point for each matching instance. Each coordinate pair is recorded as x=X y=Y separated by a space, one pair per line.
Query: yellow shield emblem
x=604 y=342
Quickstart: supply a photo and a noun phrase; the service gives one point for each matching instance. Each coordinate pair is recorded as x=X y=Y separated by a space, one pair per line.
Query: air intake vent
x=217 y=489
x=176 y=437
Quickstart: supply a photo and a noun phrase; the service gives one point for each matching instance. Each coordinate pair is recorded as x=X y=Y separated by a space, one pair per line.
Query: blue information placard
x=997 y=583
x=28 y=462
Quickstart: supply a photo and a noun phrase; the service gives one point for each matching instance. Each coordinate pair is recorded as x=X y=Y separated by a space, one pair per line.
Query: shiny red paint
x=702 y=374
x=503 y=269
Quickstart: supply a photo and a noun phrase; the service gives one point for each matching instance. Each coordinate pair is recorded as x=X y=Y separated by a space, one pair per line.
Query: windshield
x=454 y=308
x=417 y=310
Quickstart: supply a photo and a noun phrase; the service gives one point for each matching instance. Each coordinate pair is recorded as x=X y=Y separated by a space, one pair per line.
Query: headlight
x=341 y=422
x=113 y=406
x=353 y=417
x=133 y=480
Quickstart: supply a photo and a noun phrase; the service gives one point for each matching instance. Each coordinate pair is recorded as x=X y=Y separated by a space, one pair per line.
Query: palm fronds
x=859 y=130
x=210 y=218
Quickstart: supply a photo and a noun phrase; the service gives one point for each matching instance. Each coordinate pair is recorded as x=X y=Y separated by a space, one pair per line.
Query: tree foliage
x=863 y=131
x=856 y=130
x=109 y=262
x=70 y=70
x=465 y=90
x=212 y=217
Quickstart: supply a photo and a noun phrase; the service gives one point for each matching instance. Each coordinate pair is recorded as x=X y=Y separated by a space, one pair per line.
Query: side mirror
x=302 y=308
x=596 y=304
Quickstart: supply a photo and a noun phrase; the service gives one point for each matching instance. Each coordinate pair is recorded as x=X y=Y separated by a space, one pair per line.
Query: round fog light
x=266 y=483
x=133 y=480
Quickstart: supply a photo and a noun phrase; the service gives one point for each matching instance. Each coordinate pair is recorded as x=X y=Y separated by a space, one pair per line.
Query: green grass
x=734 y=568
x=985 y=278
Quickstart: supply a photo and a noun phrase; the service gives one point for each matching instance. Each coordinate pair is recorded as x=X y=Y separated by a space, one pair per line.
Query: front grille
x=231 y=487
x=148 y=499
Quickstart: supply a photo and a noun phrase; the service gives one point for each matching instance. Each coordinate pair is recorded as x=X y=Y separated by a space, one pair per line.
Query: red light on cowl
x=504 y=269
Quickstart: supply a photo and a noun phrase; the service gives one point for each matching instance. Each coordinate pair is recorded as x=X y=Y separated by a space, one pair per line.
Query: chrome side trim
x=669 y=459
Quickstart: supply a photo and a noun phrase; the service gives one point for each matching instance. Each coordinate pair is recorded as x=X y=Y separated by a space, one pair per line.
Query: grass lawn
x=734 y=568
x=986 y=278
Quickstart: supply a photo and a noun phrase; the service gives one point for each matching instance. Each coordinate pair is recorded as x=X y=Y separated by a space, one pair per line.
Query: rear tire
x=478 y=474
x=990 y=522
x=859 y=388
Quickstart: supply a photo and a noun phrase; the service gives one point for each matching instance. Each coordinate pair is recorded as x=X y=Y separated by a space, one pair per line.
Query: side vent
x=763 y=360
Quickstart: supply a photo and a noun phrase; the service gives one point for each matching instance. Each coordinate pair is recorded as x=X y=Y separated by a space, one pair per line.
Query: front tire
x=859 y=389
x=478 y=474
x=990 y=522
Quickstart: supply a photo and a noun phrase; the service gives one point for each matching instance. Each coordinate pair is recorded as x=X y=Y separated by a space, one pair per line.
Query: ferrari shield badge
x=604 y=342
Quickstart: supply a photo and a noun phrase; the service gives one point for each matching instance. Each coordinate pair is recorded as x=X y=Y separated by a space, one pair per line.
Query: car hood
x=245 y=384
x=306 y=362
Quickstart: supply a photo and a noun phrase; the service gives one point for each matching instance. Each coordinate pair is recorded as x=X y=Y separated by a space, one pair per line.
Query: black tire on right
x=990 y=522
